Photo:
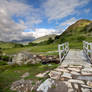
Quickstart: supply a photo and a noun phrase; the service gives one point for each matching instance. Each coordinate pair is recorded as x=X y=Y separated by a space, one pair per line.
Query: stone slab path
x=75 y=73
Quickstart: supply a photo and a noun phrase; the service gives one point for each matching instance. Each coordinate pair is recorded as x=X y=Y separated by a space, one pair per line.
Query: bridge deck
x=73 y=75
x=76 y=57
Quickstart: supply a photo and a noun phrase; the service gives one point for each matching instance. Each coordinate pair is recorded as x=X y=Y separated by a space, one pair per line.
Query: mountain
x=44 y=38
x=76 y=33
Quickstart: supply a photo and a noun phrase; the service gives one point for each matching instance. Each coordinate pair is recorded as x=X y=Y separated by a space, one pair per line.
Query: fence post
x=59 y=52
x=91 y=51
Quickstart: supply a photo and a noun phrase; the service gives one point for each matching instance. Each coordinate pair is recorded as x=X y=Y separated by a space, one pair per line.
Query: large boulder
x=25 y=58
x=21 y=58
x=24 y=85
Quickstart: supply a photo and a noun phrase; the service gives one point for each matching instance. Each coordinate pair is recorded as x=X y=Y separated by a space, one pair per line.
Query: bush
x=62 y=40
x=18 y=45
x=57 y=37
x=81 y=38
x=3 y=63
x=50 y=40
x=5 y=58
x=32 y=44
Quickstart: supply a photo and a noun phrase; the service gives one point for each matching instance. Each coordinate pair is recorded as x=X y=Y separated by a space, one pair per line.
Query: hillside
x=76 y=33
x=44 y=38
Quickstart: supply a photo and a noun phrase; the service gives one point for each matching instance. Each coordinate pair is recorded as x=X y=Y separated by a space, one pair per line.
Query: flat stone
x=45 y=85
x=76 y=86
x=63 y=66
x=86 y=71
x=61 y=70
x=86 y=86
x=74 y=69
x=75 y=66
x=75 y=73
x=51 y=85
x=81 y=77
x=76 y=81
x=89 y=83
x=41 y=75
x=68 y=84
x=54 y=74
x=85 y=90
x=70 y=90
x=66 y=75
x=25 y=75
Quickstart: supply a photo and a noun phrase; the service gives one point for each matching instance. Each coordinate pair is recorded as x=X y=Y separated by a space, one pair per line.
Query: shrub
x=81 y=38
x=3 y=63
x=50 y=40
x=57 y=37
x=18 y=45
x=5 y=58
x=32 y=44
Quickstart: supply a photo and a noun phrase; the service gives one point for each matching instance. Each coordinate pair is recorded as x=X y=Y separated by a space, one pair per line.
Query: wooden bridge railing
x=63 y=50
x=87 y=48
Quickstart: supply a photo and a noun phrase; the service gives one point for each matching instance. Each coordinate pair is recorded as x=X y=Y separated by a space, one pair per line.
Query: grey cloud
x=10 y=30
x=56 y=9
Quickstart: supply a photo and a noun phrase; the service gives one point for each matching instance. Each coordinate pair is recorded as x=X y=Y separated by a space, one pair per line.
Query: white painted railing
x=63 y=50
x=87 y=48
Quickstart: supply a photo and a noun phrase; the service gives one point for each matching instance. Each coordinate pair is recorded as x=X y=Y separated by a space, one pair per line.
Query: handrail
x=87 y=48
x=63 y=52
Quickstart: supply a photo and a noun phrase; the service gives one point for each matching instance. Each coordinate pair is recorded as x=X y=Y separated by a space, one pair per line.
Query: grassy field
x=32 y=49
x=9 y=74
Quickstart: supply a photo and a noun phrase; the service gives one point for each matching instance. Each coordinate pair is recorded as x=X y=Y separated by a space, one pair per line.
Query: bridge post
x=91 y=51
x=87 y=48
x=64 y=51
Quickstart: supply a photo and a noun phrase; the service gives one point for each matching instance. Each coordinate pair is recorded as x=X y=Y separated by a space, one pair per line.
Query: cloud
x=39 y=32
x=57 y=9
x=9 y=29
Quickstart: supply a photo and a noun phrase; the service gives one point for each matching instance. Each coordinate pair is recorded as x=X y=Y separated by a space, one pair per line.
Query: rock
x=71 y=90
x=22 y=86
x=76 y=86
x=42 y=75
x=85 y=90
x=66 y=75
x=86 y=71
x=75 y=73
x=49 y=64
x=87 y=78
x=63 y=66
x=25 y=75
x=54 y=75
x=74 y=69
x=52 y=86
x=86 y=86
x=76 y=66
x=21 y=58
x=68 y=84
x=61 y=70
x=76 y=81
x=45 y=85
x=89 y=83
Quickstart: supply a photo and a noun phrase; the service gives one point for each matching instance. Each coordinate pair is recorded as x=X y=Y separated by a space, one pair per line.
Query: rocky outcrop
x=24 y=85
x=27 y=58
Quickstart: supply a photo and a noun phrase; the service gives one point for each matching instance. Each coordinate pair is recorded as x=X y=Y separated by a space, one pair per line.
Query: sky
x=31 y=19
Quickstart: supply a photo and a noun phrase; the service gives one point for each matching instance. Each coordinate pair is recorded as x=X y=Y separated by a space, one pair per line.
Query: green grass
x=9 y=74
x=33 y=49
x=6 y=45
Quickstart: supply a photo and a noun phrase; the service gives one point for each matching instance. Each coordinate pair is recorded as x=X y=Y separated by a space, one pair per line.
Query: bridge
x=70 y=56
x=75 y=69
x=74 y=73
